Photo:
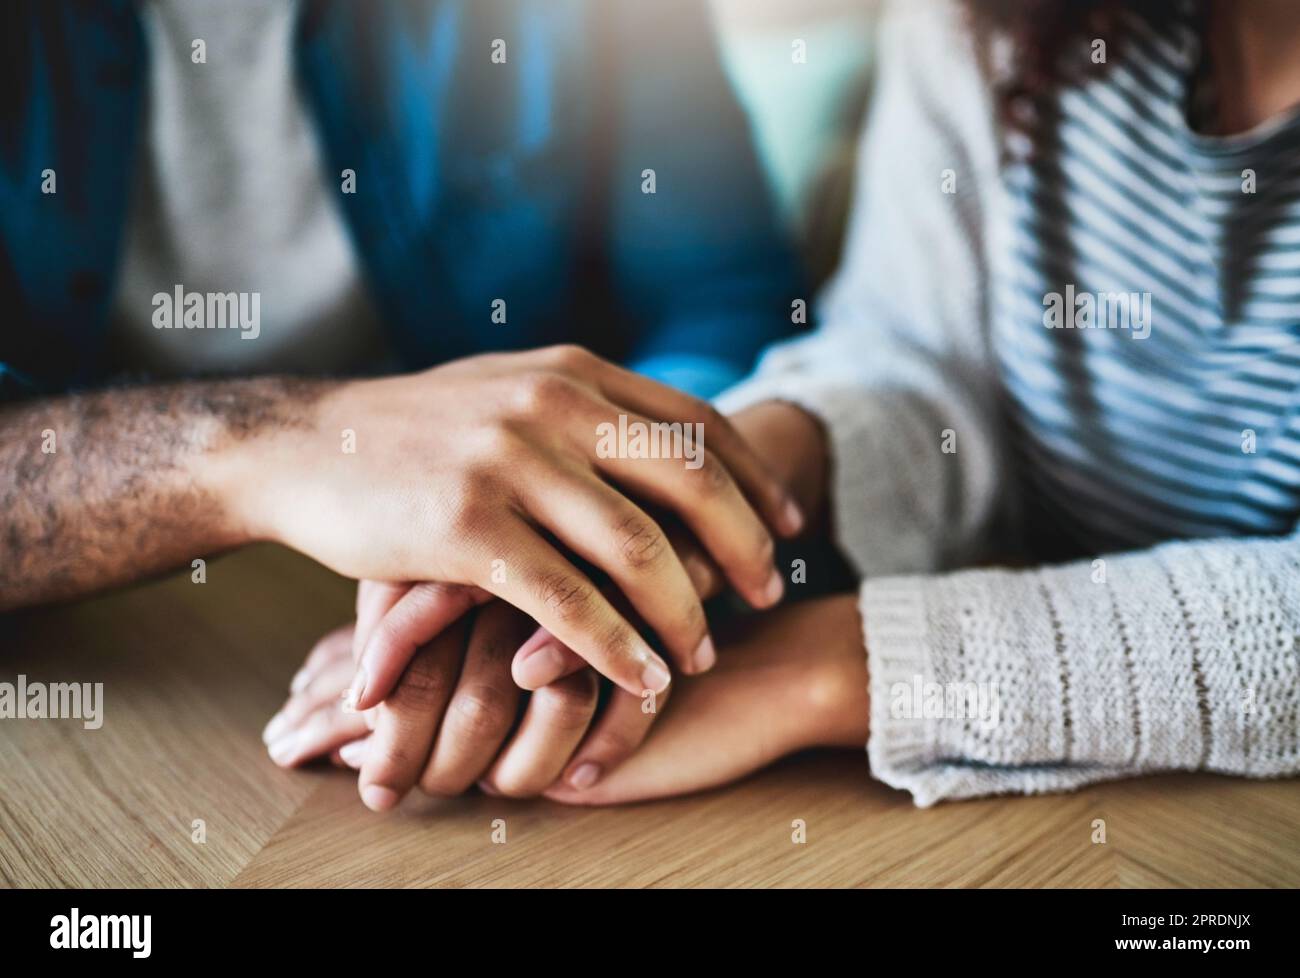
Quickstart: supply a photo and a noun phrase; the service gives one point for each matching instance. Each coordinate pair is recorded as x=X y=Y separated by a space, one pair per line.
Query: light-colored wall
x=805 y=115
x=783 y=12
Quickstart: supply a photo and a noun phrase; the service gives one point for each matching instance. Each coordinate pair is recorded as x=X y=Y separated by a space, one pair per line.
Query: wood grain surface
x=192 y=672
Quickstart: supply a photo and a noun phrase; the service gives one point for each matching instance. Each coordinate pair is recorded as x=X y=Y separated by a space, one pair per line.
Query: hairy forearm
x=103 y=488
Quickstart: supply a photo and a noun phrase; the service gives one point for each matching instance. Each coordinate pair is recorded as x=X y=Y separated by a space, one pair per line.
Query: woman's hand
x=455 y=719
x=470 y=473
x=791 y=679
x=792 y=445
x=311 y=723
x=787 y=680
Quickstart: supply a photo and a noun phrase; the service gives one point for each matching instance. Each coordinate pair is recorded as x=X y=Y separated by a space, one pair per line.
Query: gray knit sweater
x=1161 y=453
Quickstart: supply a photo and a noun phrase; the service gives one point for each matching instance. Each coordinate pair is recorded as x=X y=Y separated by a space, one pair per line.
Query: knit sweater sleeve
x=899 y=371
x=1185 y=656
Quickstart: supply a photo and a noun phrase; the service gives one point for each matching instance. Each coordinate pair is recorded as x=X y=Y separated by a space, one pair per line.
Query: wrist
x=836 y=688
x=237 y=474
x=794 y=446
x=255 y=457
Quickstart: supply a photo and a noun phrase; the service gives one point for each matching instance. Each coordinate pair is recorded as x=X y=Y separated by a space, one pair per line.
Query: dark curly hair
x=1049 y=41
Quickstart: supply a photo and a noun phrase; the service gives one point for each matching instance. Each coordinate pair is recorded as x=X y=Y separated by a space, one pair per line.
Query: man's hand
x=791 y=444
x=393 y=620
x=479 y=475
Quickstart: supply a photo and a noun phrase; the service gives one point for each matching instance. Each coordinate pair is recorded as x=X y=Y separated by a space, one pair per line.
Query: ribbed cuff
x=972 y=690
x=1184 y=657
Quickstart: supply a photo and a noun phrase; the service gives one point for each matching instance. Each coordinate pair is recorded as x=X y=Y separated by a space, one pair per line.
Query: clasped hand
x=485 y=671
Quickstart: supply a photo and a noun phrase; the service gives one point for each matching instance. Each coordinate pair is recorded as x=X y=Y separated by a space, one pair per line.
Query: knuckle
x=569 y=356
x=422 y=686
x=497 y=444
x=568 y=599
x=617 y=742
x=640 y=542
x=497 y=649
x=482 y=710
x=392 y=757
x=467 y=508
x=542 y=392
x=570 y=715
x=433 y=597
x=429 y=592
x=569 y=706
x=712 y=478
x=496 y=638
x=621 y=642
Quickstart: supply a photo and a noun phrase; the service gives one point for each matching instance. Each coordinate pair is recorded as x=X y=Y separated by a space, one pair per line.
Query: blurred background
x=806 y=117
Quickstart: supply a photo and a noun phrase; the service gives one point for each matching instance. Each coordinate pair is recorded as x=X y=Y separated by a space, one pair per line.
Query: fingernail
x=655 y=675
x=540 y=666
x=705 y=656
x=353 y=695
x=274 y=728
x=791 y=516
x=354 y=753
x=585 y=776
x=299 y=681
x=378 y=798
x=774 y=588
x=487 y=789
x=534 y=642
x=283 y=750
x=540 y=646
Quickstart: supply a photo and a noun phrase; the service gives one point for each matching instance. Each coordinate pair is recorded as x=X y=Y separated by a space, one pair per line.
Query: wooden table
x=193 y=671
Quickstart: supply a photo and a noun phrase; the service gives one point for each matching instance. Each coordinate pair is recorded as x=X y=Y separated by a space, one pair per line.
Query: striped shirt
x=1169 y=446
x=1124 y=432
